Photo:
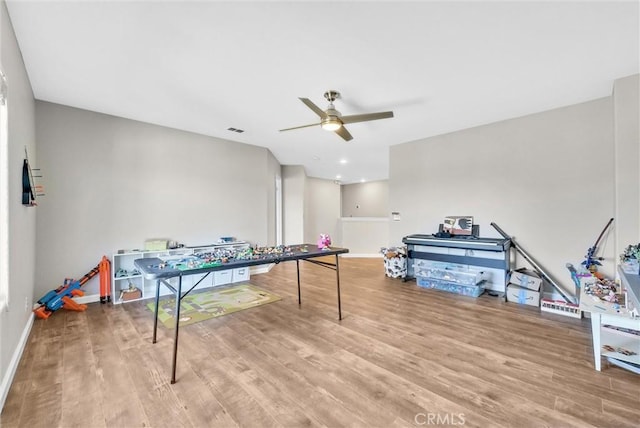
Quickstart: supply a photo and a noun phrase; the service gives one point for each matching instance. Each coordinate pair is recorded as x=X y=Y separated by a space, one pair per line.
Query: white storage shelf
x=126 y=277
x=624 y=343
x=615 y=331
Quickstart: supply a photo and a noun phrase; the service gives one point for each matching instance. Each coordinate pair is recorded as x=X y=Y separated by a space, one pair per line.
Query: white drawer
x=222 y=277
x=241 y=274
x=206 y=282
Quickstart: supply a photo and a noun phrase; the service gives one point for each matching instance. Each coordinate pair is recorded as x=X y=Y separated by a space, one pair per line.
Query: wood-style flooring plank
x=401 y=356
x=44 y=393
x=283 y=409
x=151 y=381
x=119 y=406
x=622 y=386
x=314 y=368
x=631 y=413
x=82 y=406
x=316 y=402
x=594 y=416
x=14 y=404
x=329 y=366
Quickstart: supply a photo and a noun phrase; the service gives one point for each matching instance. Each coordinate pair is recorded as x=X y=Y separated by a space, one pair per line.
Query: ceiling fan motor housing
x=331 y=122
x=332 y=112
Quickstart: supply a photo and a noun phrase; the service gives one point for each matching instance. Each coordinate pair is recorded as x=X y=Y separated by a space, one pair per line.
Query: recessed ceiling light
x=338 y=176
x=343 y=161
x=362 y=180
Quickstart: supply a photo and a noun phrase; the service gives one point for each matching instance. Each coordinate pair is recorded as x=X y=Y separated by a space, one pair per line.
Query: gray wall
x=366 y=199
x=627 y=161
x=294 y=181
x=546 y=179
x=310 y=206
x=322 y=210
x=113 y=183
x=273 y=171
x=22 y=220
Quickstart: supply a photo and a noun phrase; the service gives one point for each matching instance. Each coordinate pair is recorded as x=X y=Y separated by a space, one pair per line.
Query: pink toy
x=324 y=241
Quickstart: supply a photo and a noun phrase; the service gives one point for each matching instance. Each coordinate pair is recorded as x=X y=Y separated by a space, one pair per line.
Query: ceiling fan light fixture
x=331 y=124
x=332 y=120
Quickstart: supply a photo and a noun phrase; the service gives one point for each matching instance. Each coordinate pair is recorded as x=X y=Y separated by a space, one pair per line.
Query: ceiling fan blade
x=366 y=117
x=298 y=127
x=342 y=131
x=313 y=107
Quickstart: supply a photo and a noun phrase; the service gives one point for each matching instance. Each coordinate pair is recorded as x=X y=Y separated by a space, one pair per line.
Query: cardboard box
x=526 y=279
x=130 y=294
x=155 y=244
x=523 y=296
x=458 y=225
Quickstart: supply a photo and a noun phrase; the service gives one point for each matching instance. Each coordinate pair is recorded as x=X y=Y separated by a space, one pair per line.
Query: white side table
x=617 y=328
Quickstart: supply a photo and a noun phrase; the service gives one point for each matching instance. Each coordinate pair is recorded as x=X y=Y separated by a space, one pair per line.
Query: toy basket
x=395 y=261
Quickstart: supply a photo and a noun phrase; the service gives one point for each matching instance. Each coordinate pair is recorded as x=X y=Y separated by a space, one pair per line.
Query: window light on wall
x=4 y=194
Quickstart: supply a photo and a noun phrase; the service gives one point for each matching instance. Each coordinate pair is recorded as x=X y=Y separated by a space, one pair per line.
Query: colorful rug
x=216 y=302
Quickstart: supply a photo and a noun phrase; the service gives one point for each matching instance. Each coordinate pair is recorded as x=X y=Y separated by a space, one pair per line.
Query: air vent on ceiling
x=239 y=131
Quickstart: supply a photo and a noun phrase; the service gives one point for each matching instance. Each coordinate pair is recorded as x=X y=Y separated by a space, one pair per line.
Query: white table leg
x=595 y=334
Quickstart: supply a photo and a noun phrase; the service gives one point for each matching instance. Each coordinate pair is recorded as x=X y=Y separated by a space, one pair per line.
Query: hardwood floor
x=401 y=356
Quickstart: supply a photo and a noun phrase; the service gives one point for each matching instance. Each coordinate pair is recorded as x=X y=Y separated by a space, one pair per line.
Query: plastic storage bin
x=451 y=287
x=457 y=274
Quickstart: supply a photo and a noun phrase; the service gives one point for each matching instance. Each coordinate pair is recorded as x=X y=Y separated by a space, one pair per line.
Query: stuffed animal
x=324 y=241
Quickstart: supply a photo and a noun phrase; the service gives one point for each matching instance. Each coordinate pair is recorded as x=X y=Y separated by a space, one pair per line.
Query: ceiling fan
x=332 y=120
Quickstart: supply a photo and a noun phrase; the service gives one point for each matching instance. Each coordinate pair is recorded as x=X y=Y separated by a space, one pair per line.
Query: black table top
x=155 y=268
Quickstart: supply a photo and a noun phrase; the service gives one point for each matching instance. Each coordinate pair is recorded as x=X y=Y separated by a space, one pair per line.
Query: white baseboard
x=15 y=360
x=91 y=298
x=372 y=256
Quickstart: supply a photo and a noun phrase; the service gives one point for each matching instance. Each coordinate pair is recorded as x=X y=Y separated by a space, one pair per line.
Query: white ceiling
x=440 y=66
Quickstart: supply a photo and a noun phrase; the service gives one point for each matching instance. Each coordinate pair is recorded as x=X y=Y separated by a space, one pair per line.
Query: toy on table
x=602 y=289
x=630 y=259
x=324 y=241
x=592 y=261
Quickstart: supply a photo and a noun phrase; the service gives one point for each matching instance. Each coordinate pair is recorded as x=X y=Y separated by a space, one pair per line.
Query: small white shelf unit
x=615 y=331
x=127 y=277
x=625 y=343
